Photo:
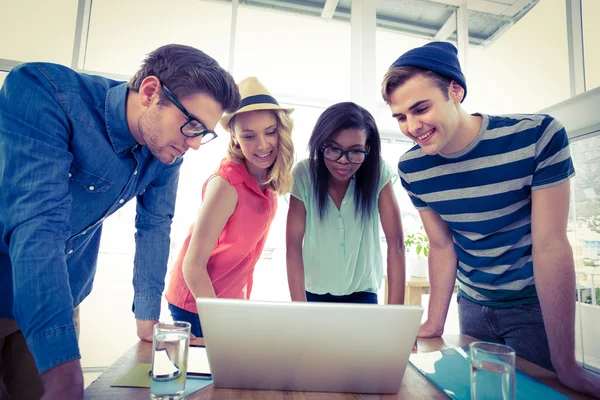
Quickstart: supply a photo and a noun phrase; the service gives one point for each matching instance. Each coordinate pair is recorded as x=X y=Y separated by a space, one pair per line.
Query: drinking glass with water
x=492 y=371
x=169 y=360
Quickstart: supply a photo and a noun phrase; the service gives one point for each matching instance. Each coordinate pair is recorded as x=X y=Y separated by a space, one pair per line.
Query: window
x=28 y=33
x=123 y=32
x=590 y=10
x=296 y=55
x=584 y=235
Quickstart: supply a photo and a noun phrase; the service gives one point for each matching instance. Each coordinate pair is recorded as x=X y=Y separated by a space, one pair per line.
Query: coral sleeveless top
x=238 y=248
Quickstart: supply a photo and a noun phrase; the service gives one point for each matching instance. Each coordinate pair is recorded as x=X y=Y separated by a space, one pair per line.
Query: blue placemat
x=194 y=384
x=449 y=370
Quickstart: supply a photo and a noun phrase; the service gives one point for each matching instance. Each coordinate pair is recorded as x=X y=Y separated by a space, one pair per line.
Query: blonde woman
x=239 y=204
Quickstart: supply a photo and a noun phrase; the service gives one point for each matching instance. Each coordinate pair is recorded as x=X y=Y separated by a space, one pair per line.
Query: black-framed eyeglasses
x=193 y=127
x=353 y=156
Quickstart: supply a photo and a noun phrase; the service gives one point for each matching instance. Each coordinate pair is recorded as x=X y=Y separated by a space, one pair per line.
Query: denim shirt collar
x=116 y=119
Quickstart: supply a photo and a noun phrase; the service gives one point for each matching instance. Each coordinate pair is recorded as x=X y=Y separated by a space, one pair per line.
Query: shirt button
x=341 y=244
x=91 y=188
x=84 y=232
x=70 y=251
x=135 y=172
x=70 y=174
x=121 y=201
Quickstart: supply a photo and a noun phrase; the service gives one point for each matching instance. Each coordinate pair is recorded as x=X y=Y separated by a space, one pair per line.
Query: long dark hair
x=341 y=116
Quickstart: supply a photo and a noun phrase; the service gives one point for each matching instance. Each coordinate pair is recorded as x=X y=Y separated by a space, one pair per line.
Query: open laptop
x=324 y=347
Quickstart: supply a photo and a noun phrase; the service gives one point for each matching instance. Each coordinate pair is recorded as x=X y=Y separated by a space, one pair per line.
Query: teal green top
x=341 y=255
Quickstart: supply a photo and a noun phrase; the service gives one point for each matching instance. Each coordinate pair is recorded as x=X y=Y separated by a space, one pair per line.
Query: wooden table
x=414 y=385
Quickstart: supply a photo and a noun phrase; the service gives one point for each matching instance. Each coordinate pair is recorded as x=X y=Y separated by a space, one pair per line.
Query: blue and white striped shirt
x=483 y=193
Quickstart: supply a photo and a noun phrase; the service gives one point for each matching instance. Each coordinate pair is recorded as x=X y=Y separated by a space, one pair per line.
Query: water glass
x=169 y=360
x=492 y=371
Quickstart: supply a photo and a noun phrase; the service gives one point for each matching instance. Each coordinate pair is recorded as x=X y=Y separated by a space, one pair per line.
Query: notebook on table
x=449 y=370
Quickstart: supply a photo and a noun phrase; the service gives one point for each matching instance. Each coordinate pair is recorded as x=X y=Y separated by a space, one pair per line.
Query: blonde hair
x=280 y=173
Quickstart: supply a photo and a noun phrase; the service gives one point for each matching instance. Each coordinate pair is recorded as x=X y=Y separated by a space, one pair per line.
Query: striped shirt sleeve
x=416 y=200
x=553 y=163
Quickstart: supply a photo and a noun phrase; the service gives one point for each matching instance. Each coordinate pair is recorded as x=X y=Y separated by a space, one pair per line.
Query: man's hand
x=430 y=330
x=145 y=329
x=581 y=380
x=64 y=382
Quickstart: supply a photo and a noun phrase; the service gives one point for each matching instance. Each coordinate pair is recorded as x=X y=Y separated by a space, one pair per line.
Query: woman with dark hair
x=338 y=196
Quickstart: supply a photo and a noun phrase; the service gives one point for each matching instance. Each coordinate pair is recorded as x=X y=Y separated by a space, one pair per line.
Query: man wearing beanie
x=493 y=195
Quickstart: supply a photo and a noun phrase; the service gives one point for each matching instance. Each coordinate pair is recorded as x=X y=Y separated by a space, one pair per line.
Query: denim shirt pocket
x=92 y=183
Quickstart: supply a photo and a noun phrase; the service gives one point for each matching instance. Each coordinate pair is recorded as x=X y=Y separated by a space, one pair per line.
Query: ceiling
x=487 y=19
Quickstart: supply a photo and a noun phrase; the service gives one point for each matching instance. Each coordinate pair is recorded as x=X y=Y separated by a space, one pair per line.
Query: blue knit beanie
x=440 y=57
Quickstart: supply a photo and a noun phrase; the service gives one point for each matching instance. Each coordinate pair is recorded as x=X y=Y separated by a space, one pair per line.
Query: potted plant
x=417 y=247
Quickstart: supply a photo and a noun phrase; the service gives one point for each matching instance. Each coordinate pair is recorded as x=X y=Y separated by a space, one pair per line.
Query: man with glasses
x=75 y=148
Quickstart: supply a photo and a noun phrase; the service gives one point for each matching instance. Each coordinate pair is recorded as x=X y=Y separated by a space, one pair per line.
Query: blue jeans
x=520 y=327
x=357 y=297
x=179 y=314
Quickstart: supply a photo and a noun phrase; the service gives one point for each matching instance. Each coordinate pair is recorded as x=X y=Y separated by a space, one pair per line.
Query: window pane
x=526 y=69
x=591 y=42
x=38 y=30
x=585 y=240
x=300 y=56
x=123 y=32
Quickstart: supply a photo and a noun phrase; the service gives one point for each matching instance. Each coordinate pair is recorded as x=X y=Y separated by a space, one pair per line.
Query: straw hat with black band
x=254 y=97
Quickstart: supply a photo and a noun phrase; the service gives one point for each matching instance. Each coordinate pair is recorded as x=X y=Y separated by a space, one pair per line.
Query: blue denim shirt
x=67 y=162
